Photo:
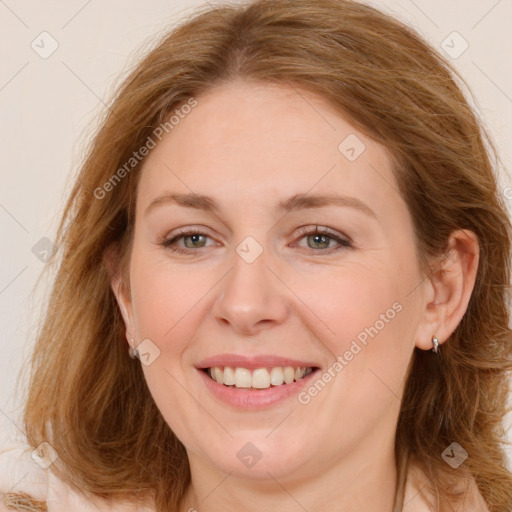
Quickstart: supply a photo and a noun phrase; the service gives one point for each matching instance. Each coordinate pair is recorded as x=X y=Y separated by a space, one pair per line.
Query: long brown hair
x=91 y=402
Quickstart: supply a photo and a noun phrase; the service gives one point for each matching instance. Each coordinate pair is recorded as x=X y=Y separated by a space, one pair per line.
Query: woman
x=290 y=216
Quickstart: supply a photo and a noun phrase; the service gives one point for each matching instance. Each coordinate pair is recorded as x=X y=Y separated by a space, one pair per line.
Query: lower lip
x=247 y=398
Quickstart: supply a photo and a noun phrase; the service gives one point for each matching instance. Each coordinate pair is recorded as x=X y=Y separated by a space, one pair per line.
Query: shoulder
x=22 y=474
x=414 y=500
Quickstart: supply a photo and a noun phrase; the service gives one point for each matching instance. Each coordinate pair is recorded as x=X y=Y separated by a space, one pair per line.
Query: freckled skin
x=249 y=147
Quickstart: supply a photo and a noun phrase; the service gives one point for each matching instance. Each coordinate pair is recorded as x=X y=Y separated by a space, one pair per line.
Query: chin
x=260 y=457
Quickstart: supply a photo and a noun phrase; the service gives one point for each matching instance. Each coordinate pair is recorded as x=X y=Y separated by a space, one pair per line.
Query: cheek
x=349 y=299
x=165 y=297
x=167 y=304
x=368 y=315
x=366 y=320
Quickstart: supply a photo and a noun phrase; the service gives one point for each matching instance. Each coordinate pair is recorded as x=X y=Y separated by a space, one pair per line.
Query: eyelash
x=303 y=232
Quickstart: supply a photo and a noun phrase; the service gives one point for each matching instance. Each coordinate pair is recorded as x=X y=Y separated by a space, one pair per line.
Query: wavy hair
x=91 y=402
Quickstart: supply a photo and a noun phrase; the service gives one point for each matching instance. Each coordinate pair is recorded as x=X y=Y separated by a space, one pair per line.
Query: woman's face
x=251 y=286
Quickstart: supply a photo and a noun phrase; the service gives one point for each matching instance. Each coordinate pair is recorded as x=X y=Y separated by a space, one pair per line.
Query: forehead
x=261 y=142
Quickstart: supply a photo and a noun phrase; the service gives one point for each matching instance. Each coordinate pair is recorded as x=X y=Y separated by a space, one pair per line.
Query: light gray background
x=49 y=107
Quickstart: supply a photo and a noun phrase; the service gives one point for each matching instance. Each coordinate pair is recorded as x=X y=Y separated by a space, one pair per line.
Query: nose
x=252 y=297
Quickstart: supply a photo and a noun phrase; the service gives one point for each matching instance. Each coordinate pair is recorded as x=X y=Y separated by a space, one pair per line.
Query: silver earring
x=435 y=341
x=133 y=352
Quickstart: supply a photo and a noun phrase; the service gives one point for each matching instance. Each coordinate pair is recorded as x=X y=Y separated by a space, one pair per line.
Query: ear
x=121 y=290
x=448 y=288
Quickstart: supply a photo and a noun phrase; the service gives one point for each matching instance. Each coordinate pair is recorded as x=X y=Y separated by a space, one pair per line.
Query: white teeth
x=219 y=375
x=289 y=374
x=243 y=378
x=276 y=376
x=229 y=376
x=260 y=378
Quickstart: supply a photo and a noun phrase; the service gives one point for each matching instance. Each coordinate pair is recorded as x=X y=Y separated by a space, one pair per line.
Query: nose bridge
x=251 y=295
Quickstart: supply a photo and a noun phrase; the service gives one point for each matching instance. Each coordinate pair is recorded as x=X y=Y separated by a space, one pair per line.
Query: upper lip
x=253 y=362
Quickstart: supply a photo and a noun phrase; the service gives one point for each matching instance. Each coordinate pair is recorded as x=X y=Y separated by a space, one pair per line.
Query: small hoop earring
x=435 y=341
x=133 y=352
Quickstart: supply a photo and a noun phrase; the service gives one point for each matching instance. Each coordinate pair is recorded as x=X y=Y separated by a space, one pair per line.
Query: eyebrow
x=296 y=202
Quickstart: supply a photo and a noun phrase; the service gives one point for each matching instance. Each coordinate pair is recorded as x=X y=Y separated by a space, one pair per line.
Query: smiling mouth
x=260 y=378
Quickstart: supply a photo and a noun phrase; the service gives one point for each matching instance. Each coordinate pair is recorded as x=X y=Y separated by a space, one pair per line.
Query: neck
x=364 y=479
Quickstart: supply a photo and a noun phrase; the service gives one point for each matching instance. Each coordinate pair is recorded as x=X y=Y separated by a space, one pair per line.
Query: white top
x=20 y=473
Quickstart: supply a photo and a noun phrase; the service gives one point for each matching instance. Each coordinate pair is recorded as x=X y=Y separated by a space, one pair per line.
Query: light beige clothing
x=20 y=473
x=414 y=502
